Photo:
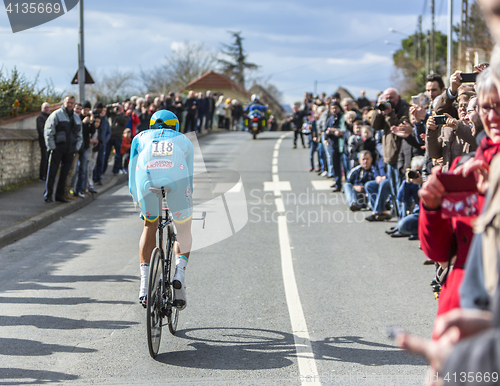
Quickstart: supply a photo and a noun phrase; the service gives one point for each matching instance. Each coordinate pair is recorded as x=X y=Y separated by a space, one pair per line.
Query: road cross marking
x=305 y=356
x=322 y=184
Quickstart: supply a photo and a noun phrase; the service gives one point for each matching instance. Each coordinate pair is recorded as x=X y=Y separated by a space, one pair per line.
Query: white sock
x=181 y=262
x=144 y=279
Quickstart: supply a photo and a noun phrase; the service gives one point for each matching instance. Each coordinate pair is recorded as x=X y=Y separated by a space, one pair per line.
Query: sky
x=299 y=46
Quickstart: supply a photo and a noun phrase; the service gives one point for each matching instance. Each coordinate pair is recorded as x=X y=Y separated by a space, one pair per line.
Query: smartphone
x=457 y=182
x=415 y=100
x=468 y=77
x=440 y=119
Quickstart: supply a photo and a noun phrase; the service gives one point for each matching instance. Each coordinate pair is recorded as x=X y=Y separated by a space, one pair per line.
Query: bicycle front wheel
x=155 y=302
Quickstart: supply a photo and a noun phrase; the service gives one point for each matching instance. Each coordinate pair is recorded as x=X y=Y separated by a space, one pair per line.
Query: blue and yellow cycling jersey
x=162 y=158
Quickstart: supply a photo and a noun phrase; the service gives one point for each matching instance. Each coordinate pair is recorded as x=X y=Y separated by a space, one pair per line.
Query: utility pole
x=432 y=55
x=419 y=41
x=450 y=39
x=464 y=34
x=81 y=58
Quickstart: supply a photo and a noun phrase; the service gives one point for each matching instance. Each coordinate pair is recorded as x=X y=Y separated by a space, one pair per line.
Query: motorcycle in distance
x=255 y=122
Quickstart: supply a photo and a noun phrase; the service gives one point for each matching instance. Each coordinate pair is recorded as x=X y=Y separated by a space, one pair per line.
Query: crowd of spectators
x=427 y=164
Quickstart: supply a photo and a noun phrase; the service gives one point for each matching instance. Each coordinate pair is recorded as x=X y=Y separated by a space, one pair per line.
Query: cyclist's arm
x=190 y=162
x=134 y=155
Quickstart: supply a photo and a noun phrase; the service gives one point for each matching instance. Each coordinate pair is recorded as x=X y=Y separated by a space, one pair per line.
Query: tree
x=189 y=61
x=235 y=69
x=112 y=86
x=410 y=71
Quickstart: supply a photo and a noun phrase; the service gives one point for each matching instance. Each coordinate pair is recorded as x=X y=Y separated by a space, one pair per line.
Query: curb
x=40 y=221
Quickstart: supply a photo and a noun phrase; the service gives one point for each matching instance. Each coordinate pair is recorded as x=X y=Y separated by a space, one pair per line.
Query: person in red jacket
x=134 y=119
x=447 y=241
x=125 y=148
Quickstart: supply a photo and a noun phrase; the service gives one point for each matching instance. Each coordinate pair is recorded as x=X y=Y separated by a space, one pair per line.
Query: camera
x=385 y=105
x=468 y=77
x=413 y=173
x=440 y=119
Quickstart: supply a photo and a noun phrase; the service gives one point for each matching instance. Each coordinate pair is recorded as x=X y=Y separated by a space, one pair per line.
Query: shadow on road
x=59 y=323
x=221 y=348
x=25 y=347
x=13 y=376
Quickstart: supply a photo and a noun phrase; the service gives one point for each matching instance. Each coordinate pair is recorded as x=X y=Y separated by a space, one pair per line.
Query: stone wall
x=19 y=149
x=19 y=156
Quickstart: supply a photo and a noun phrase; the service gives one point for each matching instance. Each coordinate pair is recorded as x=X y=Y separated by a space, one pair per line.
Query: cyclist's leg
x=147 y=243
x=180 y=202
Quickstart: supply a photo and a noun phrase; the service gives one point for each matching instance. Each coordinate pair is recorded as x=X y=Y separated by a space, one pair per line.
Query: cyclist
x=163 y=157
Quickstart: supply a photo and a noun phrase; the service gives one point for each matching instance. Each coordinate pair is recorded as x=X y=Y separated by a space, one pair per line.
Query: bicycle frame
x=165 y=221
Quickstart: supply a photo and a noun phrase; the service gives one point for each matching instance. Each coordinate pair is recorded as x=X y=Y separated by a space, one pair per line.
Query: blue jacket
x=408 y=194
x=360 y=176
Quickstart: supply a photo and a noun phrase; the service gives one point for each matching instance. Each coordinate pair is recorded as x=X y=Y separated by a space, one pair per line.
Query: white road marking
x=305 y=356
x=278 y=185
x=275 y=169
x=322 y=184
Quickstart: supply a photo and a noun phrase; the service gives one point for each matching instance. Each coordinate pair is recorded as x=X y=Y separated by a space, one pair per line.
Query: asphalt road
x=68 y=293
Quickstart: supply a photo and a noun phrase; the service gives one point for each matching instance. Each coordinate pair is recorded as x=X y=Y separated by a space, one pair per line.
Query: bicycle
x=160 y=297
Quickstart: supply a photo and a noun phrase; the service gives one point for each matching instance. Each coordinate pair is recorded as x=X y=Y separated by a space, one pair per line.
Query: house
x=218 y=84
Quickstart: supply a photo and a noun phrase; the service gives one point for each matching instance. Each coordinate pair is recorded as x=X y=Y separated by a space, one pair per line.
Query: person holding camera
x=392 y=112
x=408 y=194
x=119 y=121
x=88 y=131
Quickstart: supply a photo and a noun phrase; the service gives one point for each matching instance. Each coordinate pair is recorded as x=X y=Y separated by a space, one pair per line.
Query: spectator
x=133 y=118
x=88 y=131
x=378 y=191
x=363 y=101
x=94 y=143
x=170 y=101
x=148 y=100
x=447 y=141
x=40 y=123
x=368 y=142
x=393 y=111
x=125 y=148
x=144 y=118
x=210 y=111
x=63 y=138
x=178 y=109
x=236 y=114
x=202 y=111
x=104 y=137
x=354 y=187
x=119 y=122
x=298 y=120
x=69 y=187
x=191 y=107
x=333 y=133
x=408 y=194
x=355 y=143
x=228 y=111
x=221 y=112
x=315 y=140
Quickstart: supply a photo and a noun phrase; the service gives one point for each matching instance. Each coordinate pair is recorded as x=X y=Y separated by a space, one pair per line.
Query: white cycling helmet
x=255 y=97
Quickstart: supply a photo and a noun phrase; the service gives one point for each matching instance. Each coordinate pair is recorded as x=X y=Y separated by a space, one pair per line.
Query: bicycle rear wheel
x=173 y=318
x=156 y=289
